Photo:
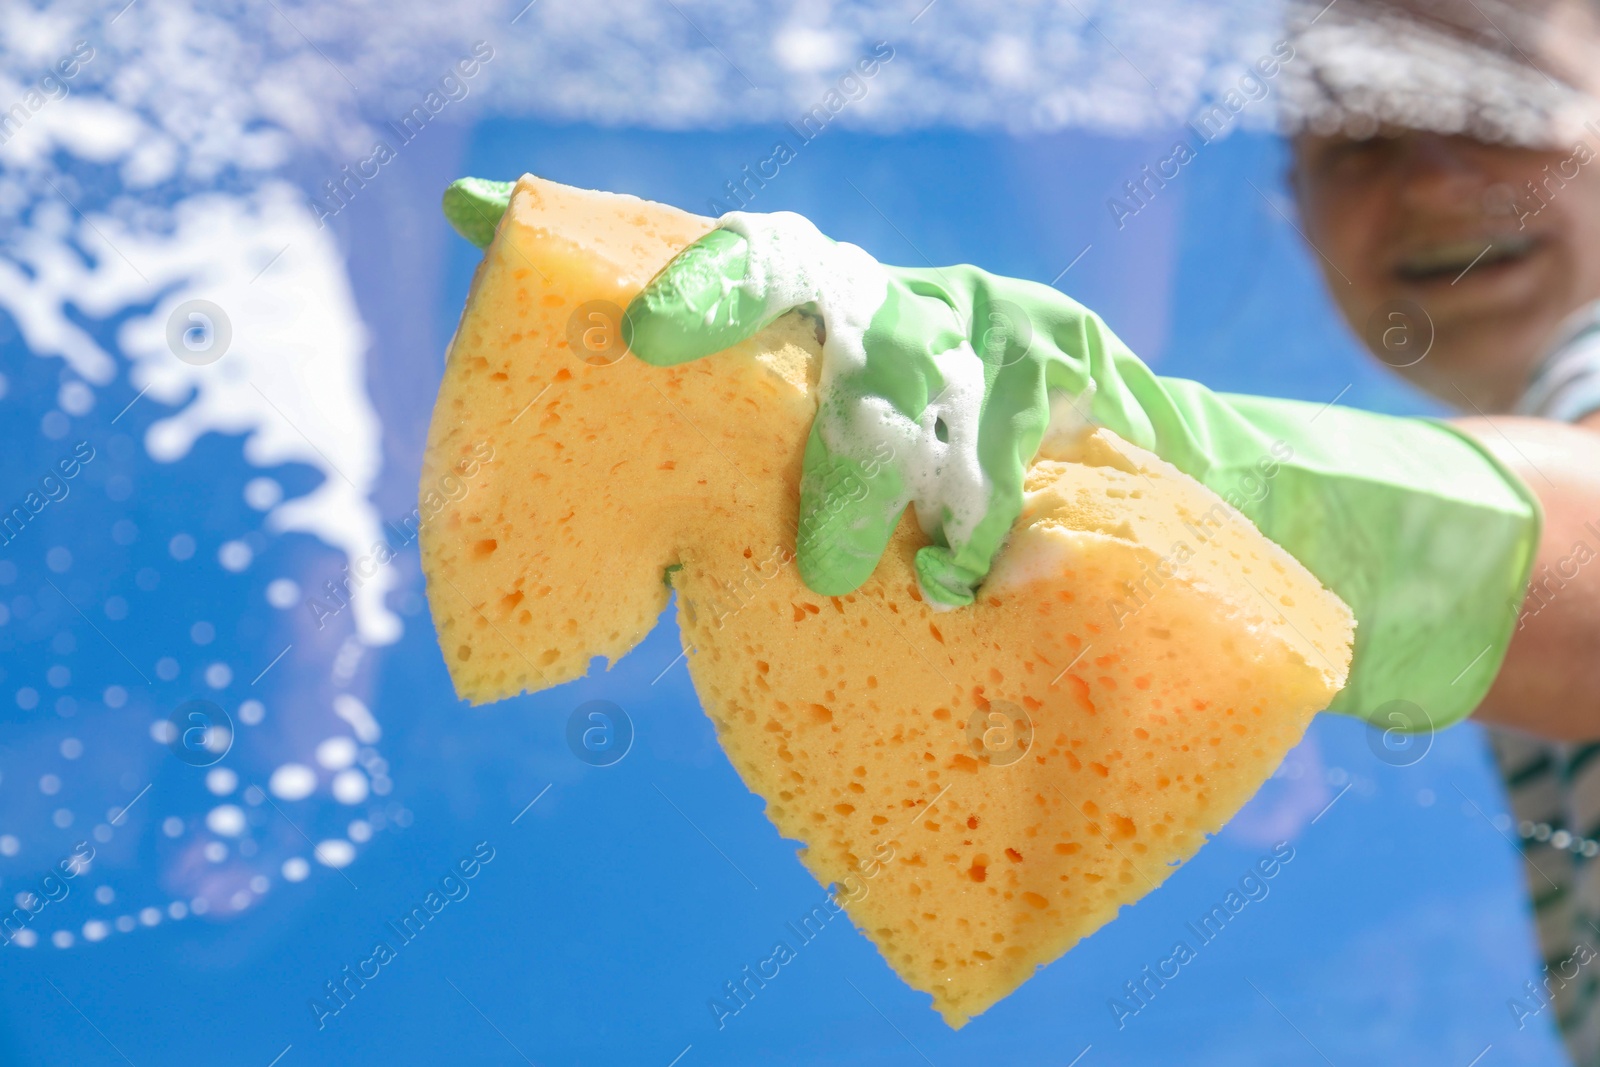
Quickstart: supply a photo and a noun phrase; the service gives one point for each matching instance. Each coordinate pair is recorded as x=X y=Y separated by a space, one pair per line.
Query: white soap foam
x=792 y=264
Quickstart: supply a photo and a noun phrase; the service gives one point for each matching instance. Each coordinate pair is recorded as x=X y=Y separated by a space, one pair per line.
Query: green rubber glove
x=473 y=206
x=938 y=387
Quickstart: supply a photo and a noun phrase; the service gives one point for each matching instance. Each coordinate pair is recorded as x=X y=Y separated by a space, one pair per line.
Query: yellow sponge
x=994 y=783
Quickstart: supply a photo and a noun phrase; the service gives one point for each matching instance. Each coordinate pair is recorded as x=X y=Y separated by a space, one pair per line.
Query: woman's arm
x=1549 y=684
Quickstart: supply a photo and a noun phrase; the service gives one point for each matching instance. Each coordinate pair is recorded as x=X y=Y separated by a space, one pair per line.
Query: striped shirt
x=1555 y=788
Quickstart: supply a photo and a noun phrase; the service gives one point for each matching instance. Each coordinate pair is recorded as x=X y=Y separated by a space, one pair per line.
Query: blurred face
x=1454 y=226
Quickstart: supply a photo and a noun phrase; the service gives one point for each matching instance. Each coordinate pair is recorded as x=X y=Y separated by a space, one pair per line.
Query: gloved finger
x=696 y=304
x=848 y=512
x=473 y=206
x=944 y=579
